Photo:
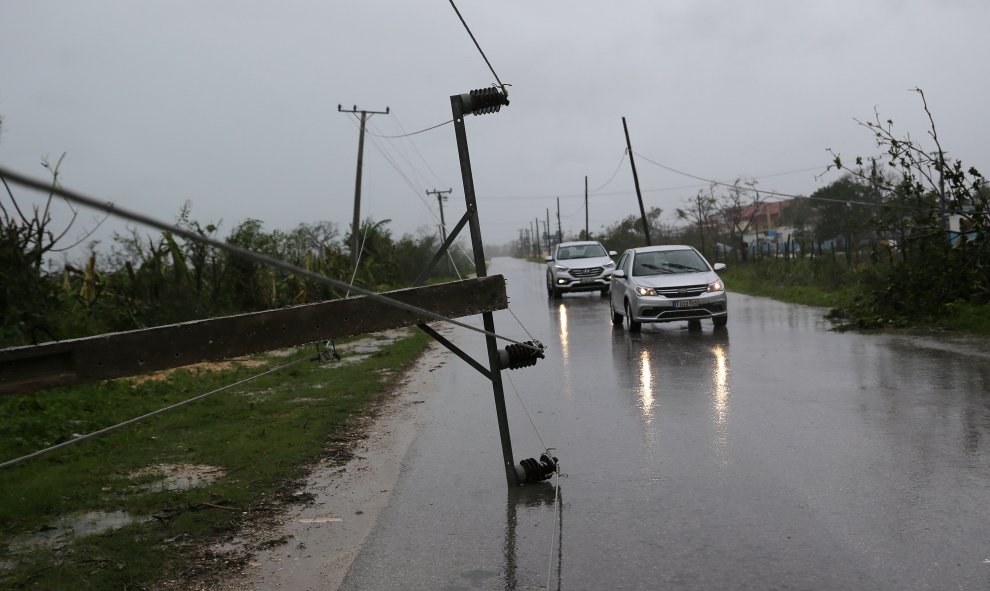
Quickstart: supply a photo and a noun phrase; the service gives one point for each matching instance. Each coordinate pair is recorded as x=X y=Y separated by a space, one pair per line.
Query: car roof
x=580 y=243
x=661 y=247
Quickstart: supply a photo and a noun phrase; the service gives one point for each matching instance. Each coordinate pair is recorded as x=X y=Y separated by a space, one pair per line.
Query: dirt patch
x=177 y=476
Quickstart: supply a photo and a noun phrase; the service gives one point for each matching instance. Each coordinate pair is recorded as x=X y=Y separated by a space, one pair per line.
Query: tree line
x=154 y=279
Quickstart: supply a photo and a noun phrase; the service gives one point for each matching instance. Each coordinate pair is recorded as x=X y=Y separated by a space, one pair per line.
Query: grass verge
x=255 y=441
x=798 y=282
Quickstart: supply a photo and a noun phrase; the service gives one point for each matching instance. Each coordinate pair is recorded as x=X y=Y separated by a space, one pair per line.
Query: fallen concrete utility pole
x=114 y=355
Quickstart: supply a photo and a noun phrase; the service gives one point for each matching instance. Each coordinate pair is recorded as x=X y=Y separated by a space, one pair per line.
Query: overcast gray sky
x=233 y=105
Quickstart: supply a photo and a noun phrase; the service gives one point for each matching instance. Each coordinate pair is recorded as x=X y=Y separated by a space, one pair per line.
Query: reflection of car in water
x=579 y=266
x=666 y=284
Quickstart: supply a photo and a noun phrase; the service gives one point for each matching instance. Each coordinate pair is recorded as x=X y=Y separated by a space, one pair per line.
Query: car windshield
x=668 y=261
x=583 y=251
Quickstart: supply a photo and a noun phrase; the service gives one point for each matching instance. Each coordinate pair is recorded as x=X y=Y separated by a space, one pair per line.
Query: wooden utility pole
x=549 y=249
x=441 y=197
x=356 y=226
x=539 y=243
x=560 y=233
x=639 y=195
x=587 y=234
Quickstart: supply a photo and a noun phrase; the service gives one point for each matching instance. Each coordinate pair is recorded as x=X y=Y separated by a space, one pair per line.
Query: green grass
x=798 y=282
x=262 y=434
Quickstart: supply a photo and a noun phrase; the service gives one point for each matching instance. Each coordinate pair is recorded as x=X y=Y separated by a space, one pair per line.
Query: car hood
x=583 y=263
x=676 y=279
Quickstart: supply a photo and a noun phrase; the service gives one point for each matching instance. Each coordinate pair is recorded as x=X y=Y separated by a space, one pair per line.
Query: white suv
x=579 y=266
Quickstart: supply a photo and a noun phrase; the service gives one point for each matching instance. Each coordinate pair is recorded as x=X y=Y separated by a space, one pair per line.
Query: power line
x=789 y=195
x=392 y=137
x=143 y=417
x=614 y=174
x=140 y=218
x=505 y=92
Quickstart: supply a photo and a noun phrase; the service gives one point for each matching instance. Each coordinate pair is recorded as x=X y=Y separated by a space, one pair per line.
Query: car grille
x=684 y=291
x=592 y=272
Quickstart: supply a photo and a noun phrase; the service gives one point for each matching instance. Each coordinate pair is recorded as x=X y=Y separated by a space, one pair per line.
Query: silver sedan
x=666 y=284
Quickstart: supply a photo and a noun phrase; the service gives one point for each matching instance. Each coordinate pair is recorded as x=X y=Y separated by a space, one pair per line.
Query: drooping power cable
x=108 y=207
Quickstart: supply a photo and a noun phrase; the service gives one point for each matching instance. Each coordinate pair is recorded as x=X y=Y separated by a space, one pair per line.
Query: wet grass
x=262 y=434
x=812 y=283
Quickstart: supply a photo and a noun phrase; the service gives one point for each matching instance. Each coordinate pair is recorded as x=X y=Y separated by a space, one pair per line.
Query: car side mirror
x=612 y=253
x=618 y=273
x=718 y=266
x=549 y=259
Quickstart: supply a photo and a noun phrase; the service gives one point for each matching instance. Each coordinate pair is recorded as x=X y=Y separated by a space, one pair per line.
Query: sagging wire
x=392 y=137
x=614 y=174
x=391 y=161
x=547 y=453
x=505 y=91
x=112 y=209
x=788 y=195
x=319 y=356
x=553 y=530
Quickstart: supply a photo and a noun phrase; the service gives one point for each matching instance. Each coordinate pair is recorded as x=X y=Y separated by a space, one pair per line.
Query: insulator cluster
x=537 y=471
x=486 y=100
x=516 y=355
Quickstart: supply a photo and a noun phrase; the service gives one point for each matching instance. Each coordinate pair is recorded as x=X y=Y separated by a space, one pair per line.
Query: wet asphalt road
x=772 y=455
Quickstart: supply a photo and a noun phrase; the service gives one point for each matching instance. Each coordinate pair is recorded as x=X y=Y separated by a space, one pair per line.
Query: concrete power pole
x=356 y=226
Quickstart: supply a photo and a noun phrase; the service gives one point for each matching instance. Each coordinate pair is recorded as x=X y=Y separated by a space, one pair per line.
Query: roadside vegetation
x=147 y=501
x=900 y=239
x=176 y=483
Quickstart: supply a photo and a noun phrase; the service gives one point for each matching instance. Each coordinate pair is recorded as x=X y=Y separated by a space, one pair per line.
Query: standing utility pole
x=441 y=197
x=536 y=238
x=639 y=195
x=587 y=235
x=549 y=250
x=356 y=226
x=560 y=233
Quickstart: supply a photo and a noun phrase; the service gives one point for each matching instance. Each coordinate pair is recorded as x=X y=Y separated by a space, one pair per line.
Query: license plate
x=587 y=281
x=686 y=303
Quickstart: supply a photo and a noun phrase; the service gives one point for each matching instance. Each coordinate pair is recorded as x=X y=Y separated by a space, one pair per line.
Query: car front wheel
x=720 y=321
x=616 y=317
x=634 y=326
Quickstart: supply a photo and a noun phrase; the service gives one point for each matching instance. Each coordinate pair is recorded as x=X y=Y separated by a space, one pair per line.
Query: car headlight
x=646 y=291
x=716 y=286
x=609 y=265
x=561 y=268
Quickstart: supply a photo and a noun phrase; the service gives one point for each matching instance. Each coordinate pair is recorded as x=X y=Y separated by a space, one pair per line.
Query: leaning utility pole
x=356 y=226
x=639 y=195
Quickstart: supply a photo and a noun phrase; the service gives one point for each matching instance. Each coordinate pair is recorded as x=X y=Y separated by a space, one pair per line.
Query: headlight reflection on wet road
x=720 y=402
